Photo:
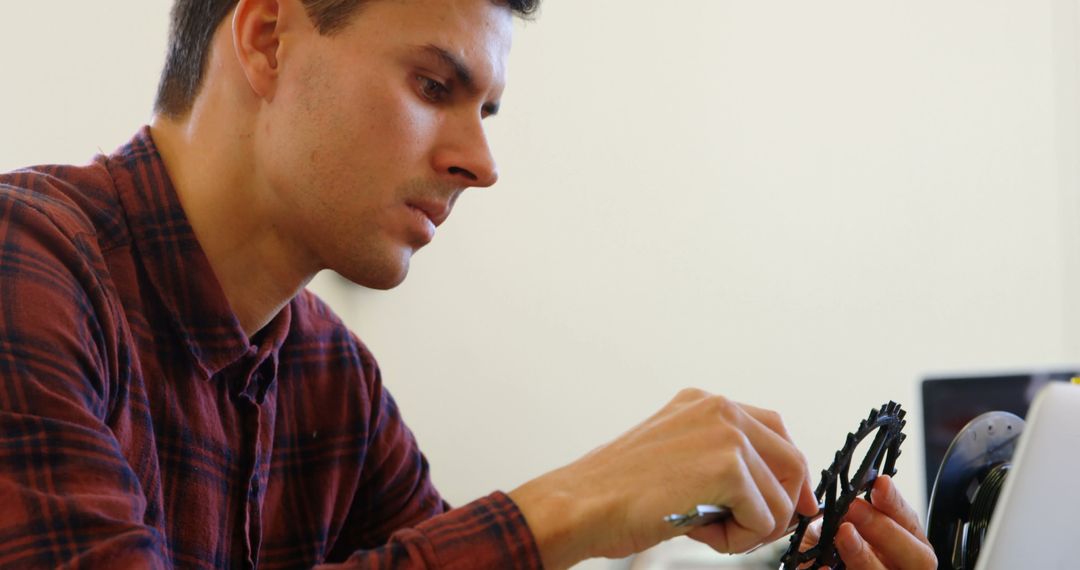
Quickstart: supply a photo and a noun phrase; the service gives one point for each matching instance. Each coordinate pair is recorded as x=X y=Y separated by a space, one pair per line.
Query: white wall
x=77 y=77
x=802 y=205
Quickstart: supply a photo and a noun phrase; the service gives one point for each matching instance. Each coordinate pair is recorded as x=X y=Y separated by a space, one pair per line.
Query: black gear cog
x=887 y=424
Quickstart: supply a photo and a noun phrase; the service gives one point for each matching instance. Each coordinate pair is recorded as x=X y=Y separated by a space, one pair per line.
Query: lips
x=434 y=210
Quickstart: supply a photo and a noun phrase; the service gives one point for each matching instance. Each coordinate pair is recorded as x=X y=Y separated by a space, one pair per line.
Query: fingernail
x=858 y=513
x=886 y=487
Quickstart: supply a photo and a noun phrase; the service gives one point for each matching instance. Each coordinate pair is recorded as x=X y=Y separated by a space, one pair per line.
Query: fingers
x=777 y=498
x=855 y=552
x=777 y=494
x=890 y=502
x=811 y=536
x=752 y=514
x=799 y=489
x=754 y=497
x=766 y=432
x=777 y=469
x=730 y=454
x=873 y=530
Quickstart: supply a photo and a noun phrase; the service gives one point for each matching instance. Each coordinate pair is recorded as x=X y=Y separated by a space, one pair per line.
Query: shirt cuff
x=487 y=533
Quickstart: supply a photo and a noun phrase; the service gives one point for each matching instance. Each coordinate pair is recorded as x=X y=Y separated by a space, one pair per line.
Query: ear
x=260 y=32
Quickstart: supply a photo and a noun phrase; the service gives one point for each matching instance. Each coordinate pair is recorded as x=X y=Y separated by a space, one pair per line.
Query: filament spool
x=967 y=487
x=982 y=508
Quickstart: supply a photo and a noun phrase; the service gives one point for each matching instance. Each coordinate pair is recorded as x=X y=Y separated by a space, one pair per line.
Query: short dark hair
x=192 y=25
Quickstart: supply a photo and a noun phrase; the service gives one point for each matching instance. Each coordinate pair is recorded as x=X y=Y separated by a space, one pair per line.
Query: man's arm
x=400 y=520
x=67 y=493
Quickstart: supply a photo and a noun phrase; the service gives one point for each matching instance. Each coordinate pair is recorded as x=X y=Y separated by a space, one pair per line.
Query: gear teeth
x=822 y=485
x=835 y=487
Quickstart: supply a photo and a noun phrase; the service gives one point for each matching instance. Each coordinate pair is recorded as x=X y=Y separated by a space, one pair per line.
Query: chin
x=380 y=276
x=380 y=284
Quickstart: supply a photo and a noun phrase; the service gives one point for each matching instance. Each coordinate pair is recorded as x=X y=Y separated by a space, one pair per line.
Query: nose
x=465 y=157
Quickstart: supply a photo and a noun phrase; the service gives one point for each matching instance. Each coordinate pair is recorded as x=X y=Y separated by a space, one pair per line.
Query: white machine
x=1034 y=524
x=1004 y=497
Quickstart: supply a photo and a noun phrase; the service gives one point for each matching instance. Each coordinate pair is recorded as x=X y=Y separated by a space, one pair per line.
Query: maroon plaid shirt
x=141 y=428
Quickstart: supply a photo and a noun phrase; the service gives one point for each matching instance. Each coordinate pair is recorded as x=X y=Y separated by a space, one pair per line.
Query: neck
x=213 y=171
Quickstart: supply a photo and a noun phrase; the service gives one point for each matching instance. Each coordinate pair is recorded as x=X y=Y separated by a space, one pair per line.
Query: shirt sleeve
x=67 y=495
x=487 y=533
x=402 y=522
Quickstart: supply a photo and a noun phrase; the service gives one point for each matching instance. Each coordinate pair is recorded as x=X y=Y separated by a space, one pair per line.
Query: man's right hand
x=698 y=449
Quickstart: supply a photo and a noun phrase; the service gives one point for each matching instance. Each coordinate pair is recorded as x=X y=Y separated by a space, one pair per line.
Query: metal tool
x=700 y=515
x=709 y=514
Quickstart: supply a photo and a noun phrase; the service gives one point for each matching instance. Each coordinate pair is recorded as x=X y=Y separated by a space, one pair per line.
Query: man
x=172 y=397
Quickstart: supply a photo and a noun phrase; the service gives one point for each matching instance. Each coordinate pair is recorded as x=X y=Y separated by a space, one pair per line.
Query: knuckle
x=766 y=523
x=732 y=439
x=793 y=467
x=741 y=442
x=721 y=406
x=805 y=464
x=796 y=461
x=690 y=394
x=723 y=434
x=785 y=509
x=775 y=421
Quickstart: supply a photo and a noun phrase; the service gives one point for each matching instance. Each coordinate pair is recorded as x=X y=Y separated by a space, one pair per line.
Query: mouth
x=435 y=211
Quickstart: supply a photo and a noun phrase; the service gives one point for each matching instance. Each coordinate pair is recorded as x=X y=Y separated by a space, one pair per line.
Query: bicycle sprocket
x=838 y=489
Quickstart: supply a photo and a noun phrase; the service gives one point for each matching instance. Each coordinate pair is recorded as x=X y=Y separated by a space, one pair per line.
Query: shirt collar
x=177 y=267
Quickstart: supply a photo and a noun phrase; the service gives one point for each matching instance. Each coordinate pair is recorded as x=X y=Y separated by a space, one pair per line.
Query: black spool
x=982 y=508
x=967 y=488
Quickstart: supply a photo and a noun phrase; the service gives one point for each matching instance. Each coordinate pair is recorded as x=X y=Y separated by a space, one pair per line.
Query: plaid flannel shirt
x=141 y=428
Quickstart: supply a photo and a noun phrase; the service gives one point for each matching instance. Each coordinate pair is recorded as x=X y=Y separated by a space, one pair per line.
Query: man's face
x=374 y=131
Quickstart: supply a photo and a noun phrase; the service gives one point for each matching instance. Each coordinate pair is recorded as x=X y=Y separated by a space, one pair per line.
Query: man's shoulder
x=74 y=201
x=55 y=277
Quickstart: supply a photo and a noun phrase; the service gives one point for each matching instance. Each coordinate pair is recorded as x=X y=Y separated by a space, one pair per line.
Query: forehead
x=477 y=32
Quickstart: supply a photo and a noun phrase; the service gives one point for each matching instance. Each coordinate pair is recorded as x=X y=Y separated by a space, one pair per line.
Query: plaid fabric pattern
x=141 y=428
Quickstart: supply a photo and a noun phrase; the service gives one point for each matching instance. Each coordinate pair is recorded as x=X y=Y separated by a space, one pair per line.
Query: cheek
x=348 y=144
x=398 y=127
x=370 y=132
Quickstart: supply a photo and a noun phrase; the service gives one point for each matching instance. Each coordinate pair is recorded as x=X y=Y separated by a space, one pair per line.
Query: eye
x=432 y=90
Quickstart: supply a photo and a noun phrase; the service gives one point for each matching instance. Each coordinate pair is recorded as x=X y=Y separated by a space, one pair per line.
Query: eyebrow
x=463 y=75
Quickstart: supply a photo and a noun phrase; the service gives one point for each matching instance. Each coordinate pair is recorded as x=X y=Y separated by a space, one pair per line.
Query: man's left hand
x=879 y=536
